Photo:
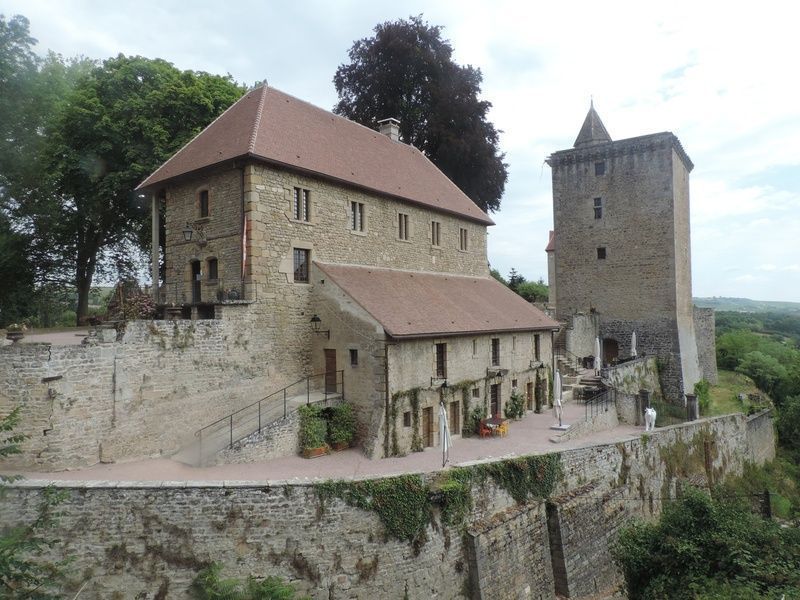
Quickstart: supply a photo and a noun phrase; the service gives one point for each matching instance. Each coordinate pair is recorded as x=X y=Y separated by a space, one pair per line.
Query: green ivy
x=525 y=477
x=402 y=503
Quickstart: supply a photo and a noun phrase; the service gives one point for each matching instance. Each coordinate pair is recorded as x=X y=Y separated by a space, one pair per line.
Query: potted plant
x=313 y=430
x=342 y=426
x=15 y=332
x=515 y=407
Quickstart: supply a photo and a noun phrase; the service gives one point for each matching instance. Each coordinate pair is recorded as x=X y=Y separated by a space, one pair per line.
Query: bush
x=515 y=407
x=702 y=391
x=704 y=548
x=473 y=420
x=789 y=425
x=208 y=586
x=342 y=424
x=313 y=429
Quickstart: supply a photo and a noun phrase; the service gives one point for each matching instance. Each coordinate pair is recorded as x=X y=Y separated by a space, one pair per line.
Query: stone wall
x=509 y=555
x=150 y=539
x=279 y=438
x=138 y=397
x=635 y=375
x=705 y=331
x=581 y=333
x=761 y=437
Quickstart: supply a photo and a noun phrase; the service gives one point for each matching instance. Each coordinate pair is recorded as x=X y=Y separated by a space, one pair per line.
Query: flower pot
x=315 y=452
x=339 y=446
x=15 y=336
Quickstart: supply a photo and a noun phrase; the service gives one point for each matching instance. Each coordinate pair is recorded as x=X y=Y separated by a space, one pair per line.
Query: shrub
x=474 y=419
x=313 y=429
x=702 y=391
x=342 y=424
x=516 y=406
x=208 y=586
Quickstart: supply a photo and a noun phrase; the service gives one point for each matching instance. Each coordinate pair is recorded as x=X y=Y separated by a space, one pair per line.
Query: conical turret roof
x=593 y=131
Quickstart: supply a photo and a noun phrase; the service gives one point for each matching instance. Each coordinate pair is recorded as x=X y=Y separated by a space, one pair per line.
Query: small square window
x=407 y=419
x=476 y=392
x=601 y=254
x=598 y=208
x=600 y=168
x=301 y=261
x=513 y=383
x=203 y=201
x=353 y=357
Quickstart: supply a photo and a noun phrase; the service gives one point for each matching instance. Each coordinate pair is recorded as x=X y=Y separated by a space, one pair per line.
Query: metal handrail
x=561 y=350
x=230 y=421
x=599 y=403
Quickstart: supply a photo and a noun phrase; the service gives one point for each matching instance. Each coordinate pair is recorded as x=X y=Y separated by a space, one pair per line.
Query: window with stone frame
x=601 y=253
x=462 y=239
x=301 y=205
x=495 y=352
x=598 y=208
x=213 y=269
x=302 y=260
x=441 y=361
x=356 y=216
x=407 y=419
x=402 y=226
x=436 y=232
x=600 y=168
x=537 y=347
x=202 y=201
x=353 y=357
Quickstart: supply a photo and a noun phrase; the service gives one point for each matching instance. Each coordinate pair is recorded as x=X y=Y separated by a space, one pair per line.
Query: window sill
x=299 y=222
x=436 y=247
x=402 y=240
x=202 y=220
x=463 y=251
x=361 y=233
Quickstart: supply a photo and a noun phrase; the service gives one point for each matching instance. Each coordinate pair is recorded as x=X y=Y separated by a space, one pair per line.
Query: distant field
x=724 y=395
x=747 y=305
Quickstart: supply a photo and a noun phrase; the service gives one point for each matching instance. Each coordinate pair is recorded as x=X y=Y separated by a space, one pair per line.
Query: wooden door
x=427 y=427
x=610 y=351
x=196 y=282
x=495 y=397
x=330 y=371
x=455 y=418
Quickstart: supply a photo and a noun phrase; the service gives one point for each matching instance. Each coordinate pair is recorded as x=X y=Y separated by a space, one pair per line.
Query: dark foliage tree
x=406 y=71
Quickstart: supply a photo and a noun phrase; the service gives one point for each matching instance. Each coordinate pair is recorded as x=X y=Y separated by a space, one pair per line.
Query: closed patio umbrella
x=633 y=344
x=444 y=433
x=598 y=359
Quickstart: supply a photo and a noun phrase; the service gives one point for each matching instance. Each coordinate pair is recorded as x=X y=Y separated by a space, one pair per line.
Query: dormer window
x=203 y=202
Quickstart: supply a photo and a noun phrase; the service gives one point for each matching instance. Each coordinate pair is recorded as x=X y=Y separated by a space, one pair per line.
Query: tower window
x=301 y=209
x=600 y=168
x=601 y=253
x=356 y=216
x=598 y=208
x=462 y=239
x=302 y=258
x=402 y=226
x=435 y=233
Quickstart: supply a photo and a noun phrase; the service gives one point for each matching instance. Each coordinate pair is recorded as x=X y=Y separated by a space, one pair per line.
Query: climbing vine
x=406 y=504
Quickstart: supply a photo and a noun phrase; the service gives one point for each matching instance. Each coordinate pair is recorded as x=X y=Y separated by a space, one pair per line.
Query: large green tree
x=116 y=122
x=406 y=71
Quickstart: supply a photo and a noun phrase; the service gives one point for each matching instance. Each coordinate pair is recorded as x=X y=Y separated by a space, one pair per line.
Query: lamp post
x=315 y=325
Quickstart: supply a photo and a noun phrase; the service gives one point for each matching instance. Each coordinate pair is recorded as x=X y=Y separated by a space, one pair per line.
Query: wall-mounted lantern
x=189 y=230
x=316 y=322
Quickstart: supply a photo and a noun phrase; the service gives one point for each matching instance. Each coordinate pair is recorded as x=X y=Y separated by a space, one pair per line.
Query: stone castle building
x=619 y=258
x=292 y=218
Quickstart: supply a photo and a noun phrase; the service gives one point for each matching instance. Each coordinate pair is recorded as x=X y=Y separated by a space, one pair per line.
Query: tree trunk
x=83 y=283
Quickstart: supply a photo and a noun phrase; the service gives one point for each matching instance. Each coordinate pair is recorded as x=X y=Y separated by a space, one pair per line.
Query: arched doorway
x=610 y=351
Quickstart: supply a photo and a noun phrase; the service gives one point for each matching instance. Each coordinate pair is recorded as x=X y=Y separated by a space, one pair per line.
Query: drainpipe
x=244 y=233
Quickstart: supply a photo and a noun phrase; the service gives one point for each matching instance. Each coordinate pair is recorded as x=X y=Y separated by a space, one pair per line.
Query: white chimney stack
x=391 y=128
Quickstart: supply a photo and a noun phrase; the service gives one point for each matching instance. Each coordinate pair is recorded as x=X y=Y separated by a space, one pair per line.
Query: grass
x=724 y=395
x=781 y=477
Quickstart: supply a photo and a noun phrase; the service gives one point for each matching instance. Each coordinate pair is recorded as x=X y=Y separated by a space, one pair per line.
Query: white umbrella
x=444 y=433
x=633 y=344
x=557 y=396
x=598 y=361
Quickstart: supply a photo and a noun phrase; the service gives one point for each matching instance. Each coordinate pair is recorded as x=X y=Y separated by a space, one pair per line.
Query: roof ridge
x=177 y=152
x=257 y=123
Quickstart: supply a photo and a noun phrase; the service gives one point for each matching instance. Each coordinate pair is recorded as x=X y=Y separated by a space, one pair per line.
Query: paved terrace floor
x=531 y=435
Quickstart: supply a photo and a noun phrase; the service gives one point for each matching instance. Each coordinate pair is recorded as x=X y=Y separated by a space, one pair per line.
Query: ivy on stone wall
x=405 y=504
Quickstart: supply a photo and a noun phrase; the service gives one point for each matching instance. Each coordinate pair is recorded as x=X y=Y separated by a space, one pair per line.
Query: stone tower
x=622 y=248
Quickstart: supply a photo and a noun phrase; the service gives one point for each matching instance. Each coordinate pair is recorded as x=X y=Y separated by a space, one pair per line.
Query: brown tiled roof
x=551 y=242
x=271 y=126
x=411 y=304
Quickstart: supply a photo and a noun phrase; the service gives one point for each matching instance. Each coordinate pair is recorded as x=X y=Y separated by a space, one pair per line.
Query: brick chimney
x=390 y=127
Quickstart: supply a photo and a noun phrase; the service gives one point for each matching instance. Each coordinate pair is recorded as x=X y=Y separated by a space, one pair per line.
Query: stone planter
x=339 y=446
x=15 y=336
x=315 y=452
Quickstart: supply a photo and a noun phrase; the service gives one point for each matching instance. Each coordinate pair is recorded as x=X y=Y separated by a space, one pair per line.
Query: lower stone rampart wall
x=761 y=437
x=705 y=331
x=149 y=540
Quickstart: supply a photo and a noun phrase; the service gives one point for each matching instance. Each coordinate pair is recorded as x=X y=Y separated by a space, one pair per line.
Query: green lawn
x=724 y=398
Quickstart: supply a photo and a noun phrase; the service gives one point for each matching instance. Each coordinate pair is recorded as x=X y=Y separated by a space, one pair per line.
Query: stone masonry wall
x=142 y=396
x=705 y=331
x=761 y=437
x=150 y=539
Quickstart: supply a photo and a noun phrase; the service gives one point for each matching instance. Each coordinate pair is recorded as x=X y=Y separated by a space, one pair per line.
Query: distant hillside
x=747 y=305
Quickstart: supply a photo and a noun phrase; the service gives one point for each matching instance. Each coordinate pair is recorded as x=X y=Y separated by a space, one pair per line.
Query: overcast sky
x=722 y=78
